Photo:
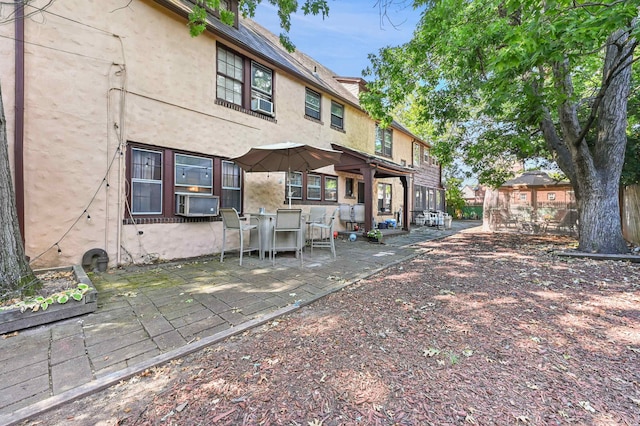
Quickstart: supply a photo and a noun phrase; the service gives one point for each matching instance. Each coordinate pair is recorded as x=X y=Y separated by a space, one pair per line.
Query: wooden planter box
x=13 y=320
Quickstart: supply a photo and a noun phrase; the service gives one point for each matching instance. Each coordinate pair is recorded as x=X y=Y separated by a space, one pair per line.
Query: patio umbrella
x=285 y=157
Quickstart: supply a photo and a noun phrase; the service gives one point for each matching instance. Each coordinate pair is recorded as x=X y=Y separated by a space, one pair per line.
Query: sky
x=353 y=29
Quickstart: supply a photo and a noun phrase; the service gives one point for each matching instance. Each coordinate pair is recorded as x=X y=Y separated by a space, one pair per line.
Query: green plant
x=375 y=233
x=41 y=302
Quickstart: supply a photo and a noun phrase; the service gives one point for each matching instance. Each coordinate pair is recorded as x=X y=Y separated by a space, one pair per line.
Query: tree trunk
x=490 y=204
x=594 y=167
x=16 y=276
x=599 y=182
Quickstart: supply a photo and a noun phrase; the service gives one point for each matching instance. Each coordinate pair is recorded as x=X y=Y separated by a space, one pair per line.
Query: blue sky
x=353 y=29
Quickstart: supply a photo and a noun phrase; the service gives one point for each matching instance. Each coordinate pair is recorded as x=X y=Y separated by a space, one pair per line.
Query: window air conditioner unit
x=262 y=105
x=194 y=205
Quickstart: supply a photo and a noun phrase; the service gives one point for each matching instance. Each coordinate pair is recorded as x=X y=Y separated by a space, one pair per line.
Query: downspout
x=18 y=145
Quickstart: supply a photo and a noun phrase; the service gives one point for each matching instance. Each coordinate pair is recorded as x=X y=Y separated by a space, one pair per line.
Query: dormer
x=355 y=85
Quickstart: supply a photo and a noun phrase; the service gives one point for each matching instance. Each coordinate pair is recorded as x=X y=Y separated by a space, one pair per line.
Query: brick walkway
x=152 y=314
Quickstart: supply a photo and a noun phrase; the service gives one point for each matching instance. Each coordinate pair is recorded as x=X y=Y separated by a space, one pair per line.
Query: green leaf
x=76 y=296
x=63 y=299
x=44 y=306
x=83 y=287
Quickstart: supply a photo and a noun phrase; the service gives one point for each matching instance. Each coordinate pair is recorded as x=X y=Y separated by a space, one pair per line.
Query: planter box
x=13 y=320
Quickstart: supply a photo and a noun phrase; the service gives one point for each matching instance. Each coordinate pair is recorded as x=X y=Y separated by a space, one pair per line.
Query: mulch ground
x=486 y=329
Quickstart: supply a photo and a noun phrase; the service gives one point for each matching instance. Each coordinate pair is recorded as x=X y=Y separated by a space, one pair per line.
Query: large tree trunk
x=16 y=276
x=594 y=168
x=598 y=182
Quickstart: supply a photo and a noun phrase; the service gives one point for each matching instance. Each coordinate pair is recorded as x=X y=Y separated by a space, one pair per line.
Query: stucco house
x=121 y=131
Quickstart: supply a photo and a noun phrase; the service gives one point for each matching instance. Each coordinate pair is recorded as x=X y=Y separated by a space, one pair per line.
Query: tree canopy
x=482 y=72
x=505 y=80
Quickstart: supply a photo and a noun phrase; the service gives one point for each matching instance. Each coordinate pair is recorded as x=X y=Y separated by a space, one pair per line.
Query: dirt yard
x=481 y=329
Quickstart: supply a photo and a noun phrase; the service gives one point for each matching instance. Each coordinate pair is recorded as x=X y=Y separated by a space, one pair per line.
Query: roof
x=352 y=161
x=534 y=178
x=264 y=44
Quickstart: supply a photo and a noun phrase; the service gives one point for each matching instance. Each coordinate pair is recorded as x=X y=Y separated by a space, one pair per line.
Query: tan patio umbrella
x=285 y=157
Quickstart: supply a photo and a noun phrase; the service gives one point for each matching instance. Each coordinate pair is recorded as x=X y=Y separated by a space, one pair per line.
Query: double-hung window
x=312 y=104
x=330 y=188
x=295 y=186
x=416 y=154
x=311 y=187
x=384 y=141
x=146 y=182
x=243 y=82
x=261 y=89
x=230 y=76
x=314 y=187
x=337 y=115
x=231 y=185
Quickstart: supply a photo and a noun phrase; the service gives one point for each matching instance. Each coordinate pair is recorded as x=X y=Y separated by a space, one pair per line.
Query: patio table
x=266 y=223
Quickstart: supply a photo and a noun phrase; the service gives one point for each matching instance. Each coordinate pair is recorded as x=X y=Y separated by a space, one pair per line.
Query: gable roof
x=534 y=178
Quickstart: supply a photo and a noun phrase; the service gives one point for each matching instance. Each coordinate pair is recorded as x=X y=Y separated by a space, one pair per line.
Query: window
x=420 y=199
x=551 y=196
x=317 y=187
x=360 y=192
x=384 y=141
x=523 y=197
x=384 y=198
x=312 y=104
x=230 y=76
x=331 y=188
x=314 y=187
x=261 y=88
x=337 y=115
x=348 y=187
x=231 y=185
x=416 y=154
x=157 y=175
x=146 y=182
x=235 y=73
x=193 y=174
x=427 y=156
x=295 y=185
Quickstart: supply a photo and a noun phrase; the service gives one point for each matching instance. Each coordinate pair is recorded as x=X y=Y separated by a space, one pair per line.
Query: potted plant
x=374 y=235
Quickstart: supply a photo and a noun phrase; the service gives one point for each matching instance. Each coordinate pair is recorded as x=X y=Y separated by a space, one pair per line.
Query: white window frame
x=229 y=85
x=185 y=169
x=316 y=186
x=291 y=185
x=327 y=195
x=309 y=106
x=340 y=108
x=137 y=180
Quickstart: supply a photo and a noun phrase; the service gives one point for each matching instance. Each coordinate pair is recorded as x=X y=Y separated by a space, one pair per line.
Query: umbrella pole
x=289 y=191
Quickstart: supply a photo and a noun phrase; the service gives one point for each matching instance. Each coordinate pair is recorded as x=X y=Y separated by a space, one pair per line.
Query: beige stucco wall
x=110 y=74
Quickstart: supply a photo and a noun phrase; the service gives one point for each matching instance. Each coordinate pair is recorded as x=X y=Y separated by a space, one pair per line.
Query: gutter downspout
x=18 y=146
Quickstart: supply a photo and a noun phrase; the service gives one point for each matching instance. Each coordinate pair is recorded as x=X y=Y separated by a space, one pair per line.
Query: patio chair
x=288 y=221
x=328 y=242
x=231 y=221
x=316 y=215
